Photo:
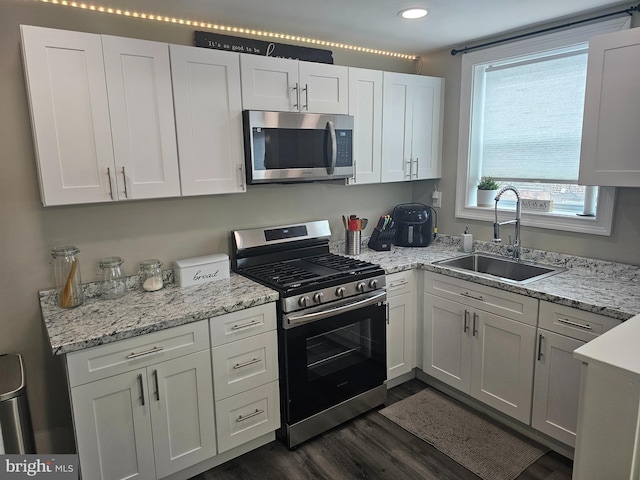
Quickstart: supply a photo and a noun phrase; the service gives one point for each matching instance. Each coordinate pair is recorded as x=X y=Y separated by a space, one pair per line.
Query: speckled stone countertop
x=98 y=321
x=606 y=288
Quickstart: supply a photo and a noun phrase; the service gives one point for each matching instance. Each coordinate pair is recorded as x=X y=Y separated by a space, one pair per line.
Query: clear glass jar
x=66 y=269
x=112 y=281
x=151 y=275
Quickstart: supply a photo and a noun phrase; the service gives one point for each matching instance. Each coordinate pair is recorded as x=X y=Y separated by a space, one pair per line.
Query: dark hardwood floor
x=368 y=447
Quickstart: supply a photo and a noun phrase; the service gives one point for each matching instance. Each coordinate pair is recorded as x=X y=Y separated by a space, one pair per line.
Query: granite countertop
x=98 y=321
x=606 y=288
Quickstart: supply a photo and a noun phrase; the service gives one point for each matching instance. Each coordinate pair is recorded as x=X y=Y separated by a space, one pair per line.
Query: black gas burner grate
x=340 y=262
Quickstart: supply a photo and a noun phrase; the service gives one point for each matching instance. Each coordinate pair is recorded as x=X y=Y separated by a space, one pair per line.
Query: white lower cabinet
x=556 y=389
x=144 y=407
x=245 y=375
x=481 y=341
x=401 y=328
x=149 y=422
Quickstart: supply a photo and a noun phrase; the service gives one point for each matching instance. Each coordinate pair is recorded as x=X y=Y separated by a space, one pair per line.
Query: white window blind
x=532 y=122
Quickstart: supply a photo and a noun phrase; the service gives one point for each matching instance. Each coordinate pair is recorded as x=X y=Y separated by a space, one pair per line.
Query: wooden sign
x=537 y=205
x=260 y=47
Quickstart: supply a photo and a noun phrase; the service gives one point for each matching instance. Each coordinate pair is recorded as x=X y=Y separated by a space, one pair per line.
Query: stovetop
x=295 y=260
x=310 y=271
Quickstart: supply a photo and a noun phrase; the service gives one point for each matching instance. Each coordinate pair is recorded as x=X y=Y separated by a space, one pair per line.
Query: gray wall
x=166 y=229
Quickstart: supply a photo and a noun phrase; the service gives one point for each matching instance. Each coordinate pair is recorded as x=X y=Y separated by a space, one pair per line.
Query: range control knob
x=373 y=284
x=340 y=291
x=318 y=297
x=303 y=301
x=360 y=287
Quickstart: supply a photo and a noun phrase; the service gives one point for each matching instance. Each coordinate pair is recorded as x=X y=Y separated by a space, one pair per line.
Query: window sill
x=598 y=225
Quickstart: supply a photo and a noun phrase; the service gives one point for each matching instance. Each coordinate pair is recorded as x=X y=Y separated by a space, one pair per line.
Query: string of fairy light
x=225 y=28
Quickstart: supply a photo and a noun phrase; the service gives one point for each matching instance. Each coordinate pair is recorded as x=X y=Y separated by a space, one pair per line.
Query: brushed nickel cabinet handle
x=574 y=324
x=540 y=354
x=246 y=417
x=110 y=184
x=246 y=364
x=297 y=90
x=466 y=321
x=468 y=295
x=475 y=318
x=141 y=385
x=155 y=381
x=146 y=352
x=246 y=325
x=306 y=93
x=124 y=179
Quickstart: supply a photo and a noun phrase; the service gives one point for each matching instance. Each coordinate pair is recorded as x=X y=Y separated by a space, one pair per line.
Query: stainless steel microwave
x=285 y=147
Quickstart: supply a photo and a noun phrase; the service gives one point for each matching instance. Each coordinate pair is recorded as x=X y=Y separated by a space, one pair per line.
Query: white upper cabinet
x=285 y=85
x=365 y=104
x=67 y=93
x=142 y=120
x=610 y=140
x=208 y=111
x=412 y=127
x=102 y=116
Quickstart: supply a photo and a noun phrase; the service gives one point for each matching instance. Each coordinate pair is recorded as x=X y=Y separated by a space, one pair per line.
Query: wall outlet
x=436 y=198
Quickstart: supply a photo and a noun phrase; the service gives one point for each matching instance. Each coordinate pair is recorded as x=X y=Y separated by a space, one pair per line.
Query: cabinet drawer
x=111 y=359
x=399 y=283
x=573 y=322
x=508 y=304
x=242 y=324
x=246 y=416
x=245 y=364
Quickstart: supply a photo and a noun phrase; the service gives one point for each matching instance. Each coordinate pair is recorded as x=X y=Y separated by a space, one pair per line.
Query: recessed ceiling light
x=413 y=13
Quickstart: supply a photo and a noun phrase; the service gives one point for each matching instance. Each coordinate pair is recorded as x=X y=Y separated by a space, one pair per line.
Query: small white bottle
x=466 y=241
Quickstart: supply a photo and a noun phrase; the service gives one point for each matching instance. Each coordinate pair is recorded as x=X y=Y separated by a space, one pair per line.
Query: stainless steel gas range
x=332 y=324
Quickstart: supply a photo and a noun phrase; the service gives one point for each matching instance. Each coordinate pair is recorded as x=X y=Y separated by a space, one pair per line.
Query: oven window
x=341 y=348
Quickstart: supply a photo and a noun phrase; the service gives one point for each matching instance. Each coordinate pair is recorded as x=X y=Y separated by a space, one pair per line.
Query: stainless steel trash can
x=16 y=434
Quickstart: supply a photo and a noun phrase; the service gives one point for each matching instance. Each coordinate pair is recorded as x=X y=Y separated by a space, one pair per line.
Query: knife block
x=381 y=240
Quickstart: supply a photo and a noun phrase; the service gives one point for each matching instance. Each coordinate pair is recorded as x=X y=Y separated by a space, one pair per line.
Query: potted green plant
x=487 y=190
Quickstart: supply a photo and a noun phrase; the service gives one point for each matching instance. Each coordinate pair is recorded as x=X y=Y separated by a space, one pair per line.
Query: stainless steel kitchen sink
x=503 y=268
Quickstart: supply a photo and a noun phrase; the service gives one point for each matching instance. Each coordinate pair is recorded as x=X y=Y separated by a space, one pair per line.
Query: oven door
x=333 y=354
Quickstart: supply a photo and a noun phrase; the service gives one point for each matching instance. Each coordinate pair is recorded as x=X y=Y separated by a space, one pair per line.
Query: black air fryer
x=413 y=224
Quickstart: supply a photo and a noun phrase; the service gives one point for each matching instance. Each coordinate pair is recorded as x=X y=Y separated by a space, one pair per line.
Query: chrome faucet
x=512 y=248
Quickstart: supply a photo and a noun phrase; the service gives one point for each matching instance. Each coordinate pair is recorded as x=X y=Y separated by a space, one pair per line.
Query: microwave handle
x=334 y=148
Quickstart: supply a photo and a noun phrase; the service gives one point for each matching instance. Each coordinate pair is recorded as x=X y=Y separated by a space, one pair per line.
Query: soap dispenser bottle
x=466 y=241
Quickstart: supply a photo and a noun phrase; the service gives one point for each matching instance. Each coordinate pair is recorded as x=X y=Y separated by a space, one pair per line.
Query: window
x=521 y=123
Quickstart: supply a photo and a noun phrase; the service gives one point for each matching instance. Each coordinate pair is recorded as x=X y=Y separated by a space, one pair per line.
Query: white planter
x=486 y=198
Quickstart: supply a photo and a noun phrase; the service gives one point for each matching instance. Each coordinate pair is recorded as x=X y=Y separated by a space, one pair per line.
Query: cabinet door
x=113 y=427
x=182 y=409
x=447 y=342
x=556 y=388
x=323 y=88
x=142 y=118
x=365 y=104
x=69 y=114
x=502 y=364
x=401 y=335
x=396 y=127
x=426 y=127
x=610 y=140
x=208 y=109
x=269 y=83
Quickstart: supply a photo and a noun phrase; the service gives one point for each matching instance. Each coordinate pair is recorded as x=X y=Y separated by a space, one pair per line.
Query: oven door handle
x=296 y=320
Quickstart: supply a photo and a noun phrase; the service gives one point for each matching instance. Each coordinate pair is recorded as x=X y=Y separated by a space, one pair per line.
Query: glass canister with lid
x=66 y=269
x=112 y=281
x=151 y=275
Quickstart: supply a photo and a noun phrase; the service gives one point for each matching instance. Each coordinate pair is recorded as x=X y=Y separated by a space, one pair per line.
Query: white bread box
x=199 y=270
